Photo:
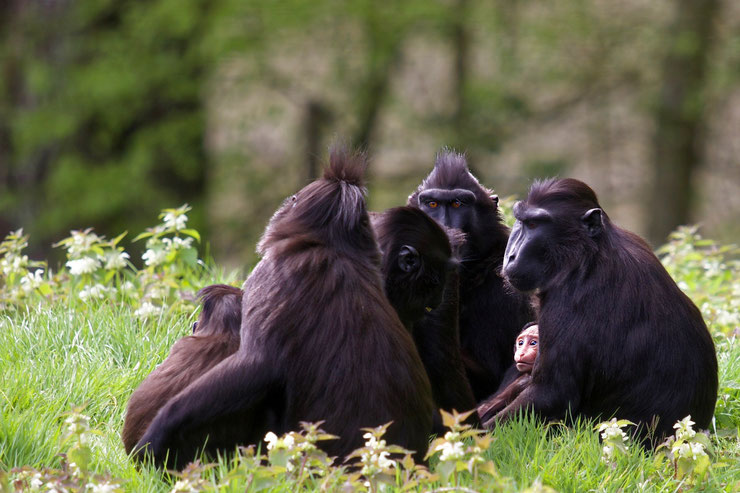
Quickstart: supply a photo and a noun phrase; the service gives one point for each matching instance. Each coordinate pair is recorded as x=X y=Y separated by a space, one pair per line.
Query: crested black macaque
x=517 y=377
x=215 y=336
x=319 y=339
x=605 y=304
x=490 y=314
x=421 y=281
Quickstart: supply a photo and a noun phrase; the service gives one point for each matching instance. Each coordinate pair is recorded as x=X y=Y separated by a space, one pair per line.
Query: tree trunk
x=317 y=115
x=679 y=117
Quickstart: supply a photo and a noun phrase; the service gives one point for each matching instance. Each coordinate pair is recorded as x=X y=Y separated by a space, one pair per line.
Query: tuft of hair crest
x=346 y=166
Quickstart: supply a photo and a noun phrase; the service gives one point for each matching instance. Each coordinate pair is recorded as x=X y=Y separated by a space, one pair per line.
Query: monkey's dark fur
x=216 y=336
x=319 y=339
x=617 y=337
x=490 y=313
x=427 y=279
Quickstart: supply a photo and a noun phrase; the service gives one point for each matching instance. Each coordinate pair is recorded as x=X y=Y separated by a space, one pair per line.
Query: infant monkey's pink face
x=525 y=352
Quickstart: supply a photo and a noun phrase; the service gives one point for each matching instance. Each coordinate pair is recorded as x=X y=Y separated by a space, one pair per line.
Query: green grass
x=57 y=353
x=55 y=358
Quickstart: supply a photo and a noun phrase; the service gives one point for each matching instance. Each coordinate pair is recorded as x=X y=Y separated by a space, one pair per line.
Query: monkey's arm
x=497 y=402
x=235 y=385
x=552 y=392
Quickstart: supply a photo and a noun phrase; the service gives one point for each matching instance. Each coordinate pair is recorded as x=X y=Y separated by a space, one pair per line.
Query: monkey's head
x=417 y=258
x=453 y=197
x=328 y=212
x=527 y=346
x=559 y=228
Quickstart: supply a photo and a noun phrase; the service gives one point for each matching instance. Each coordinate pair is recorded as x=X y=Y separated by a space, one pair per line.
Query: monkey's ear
x=408 y=258
x=593 y=222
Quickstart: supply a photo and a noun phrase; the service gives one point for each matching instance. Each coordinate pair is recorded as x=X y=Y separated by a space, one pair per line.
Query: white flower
x=697 y=450
x=148 y=309
x=608 y=452
x=97 y=291
x=182 y=242
x=115 y=260
x=452 y=436
x=106 y=487
x=185 y=486
x=77 y=424
x=682 y=451
x=158 y=291
x=154 y=256
x=127 y=287
x=13 y=263
x=372 y=442
x=177 y=243
x=612 y=432
x=84 y=265
x=273 y=442
x=36 y=481
x=451 y=451
x=684 y=428
x=374 y=463
x=176 y=221
x=32 y=280
x=81 y=242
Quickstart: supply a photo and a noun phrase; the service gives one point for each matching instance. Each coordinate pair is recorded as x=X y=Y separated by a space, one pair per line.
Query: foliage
x=613 y=439
x=688 y=451
x=98 y=269
x=74 y=473
x=82 y=335
x=708 y=273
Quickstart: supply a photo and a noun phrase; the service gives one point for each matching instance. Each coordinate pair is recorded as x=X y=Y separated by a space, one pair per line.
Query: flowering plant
x=688 y=451
x=455 y=452
x=613 y=438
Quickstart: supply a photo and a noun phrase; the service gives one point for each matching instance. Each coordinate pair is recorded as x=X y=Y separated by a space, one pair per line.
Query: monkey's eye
x=456 y=203
x=432 y=204
x=294 y=198
x=530 y=224
x=532 y=343
x=520 y=342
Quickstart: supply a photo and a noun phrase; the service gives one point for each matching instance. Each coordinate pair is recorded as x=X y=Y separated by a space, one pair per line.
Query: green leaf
x=445 y=469
x=141 y=236
x=191 y=232
x=189 y=256
x=118 y=238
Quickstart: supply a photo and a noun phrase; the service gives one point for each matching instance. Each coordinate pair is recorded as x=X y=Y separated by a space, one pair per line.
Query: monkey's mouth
x=524 y=367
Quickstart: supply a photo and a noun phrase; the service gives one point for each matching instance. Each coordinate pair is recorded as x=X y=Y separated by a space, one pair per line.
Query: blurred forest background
x=111 y=110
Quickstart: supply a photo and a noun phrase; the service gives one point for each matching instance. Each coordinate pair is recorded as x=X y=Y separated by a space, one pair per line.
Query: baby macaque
x=517 y=377
x=525 y=351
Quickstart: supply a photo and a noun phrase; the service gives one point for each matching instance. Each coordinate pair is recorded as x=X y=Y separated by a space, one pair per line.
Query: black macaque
x=490 y=314
x=421 y=281
x=215 y=336
x=319 y=339
x=517 y=377
x=617 y=335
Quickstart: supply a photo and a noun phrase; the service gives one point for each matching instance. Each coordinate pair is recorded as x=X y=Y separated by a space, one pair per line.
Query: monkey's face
x=527 y=346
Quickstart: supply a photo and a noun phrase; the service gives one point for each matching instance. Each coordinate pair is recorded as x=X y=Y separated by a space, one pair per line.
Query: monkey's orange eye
x=432 y=204
x=456 y=204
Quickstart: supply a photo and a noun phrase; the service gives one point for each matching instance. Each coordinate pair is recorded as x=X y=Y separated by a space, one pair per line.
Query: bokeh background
x=111 y=110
